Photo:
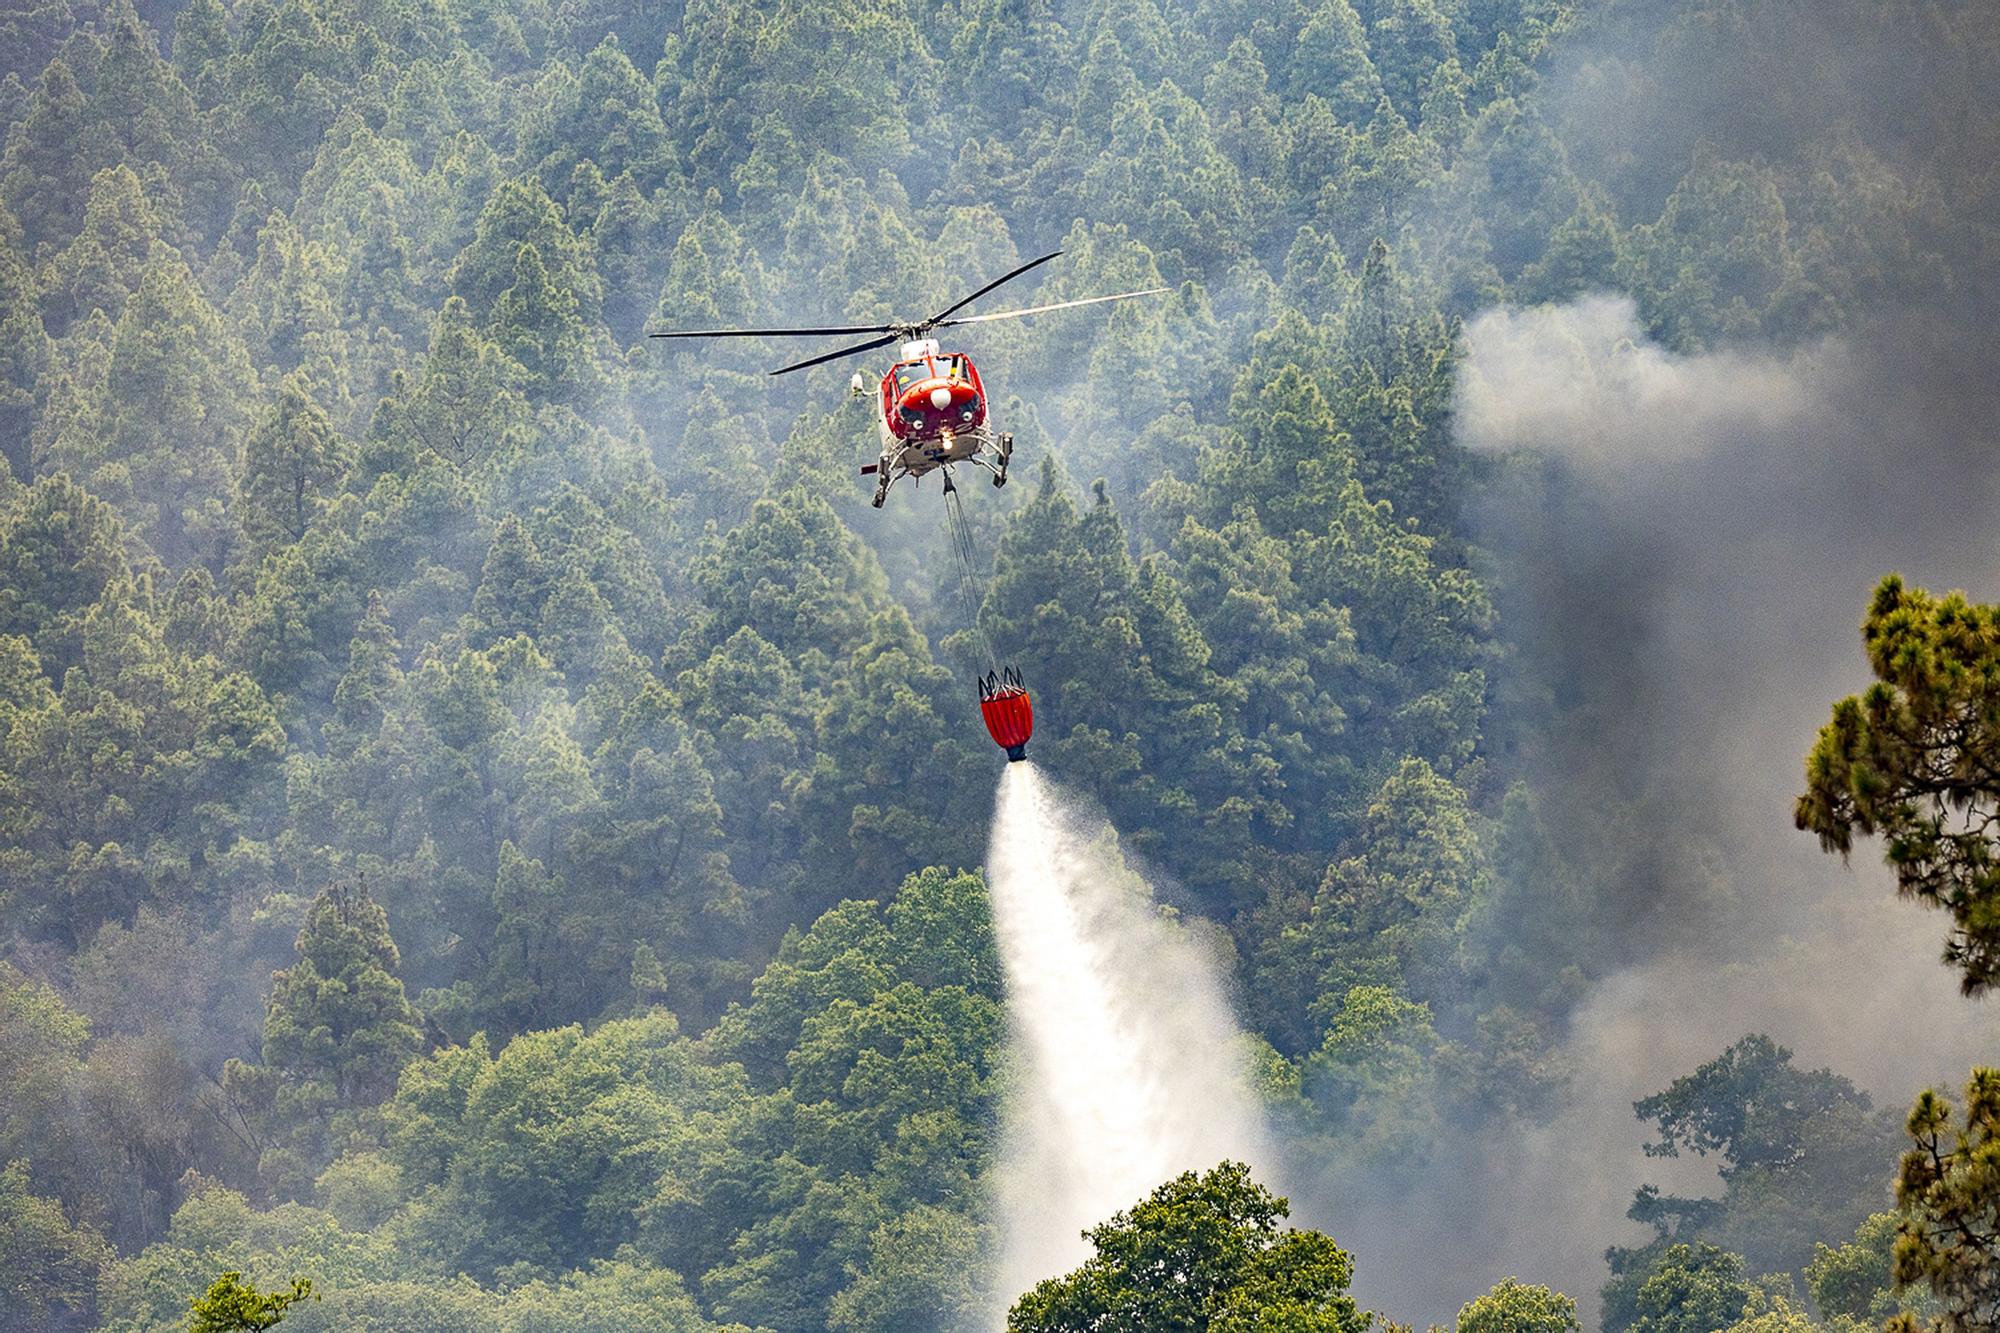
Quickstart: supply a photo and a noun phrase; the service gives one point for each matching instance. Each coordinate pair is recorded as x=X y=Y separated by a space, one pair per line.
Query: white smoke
x=1129 y=1060
x=1584 y=380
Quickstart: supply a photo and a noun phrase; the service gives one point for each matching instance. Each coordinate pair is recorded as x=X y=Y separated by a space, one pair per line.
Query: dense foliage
x=484 y=805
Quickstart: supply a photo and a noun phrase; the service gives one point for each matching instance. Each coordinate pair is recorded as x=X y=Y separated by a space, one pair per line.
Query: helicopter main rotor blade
x=1044 y=309
x=856 y=349
x=1008 y=277
x=778 y=333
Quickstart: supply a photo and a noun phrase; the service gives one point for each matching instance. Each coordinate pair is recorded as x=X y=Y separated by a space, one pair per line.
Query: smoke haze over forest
x=493 y=820
x=1682 y=552
x=1685 y=594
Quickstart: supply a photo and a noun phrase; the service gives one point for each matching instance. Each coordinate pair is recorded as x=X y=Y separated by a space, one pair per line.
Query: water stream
x=1130 y=1059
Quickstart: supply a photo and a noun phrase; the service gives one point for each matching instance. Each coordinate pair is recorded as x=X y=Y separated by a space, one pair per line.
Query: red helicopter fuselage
x=934 y=413
x=932 y=396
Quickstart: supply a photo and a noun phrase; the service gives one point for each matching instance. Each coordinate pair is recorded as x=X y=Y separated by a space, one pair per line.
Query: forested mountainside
x=489 y=816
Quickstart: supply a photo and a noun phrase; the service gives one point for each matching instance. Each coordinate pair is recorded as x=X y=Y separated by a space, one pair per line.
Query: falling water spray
x=1131 y=1067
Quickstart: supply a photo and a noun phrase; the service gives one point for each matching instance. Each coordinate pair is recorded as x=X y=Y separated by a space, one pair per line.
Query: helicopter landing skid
x=890 y=468
x=1003 y=448
x=999 y=470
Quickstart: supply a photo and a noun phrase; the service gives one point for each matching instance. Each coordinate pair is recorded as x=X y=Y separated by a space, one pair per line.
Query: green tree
x=606 y=109
x=100 y=269
x=1330 y=61
x=293 y=462
x=1696 y=1288
x=1203 y=1251
x=232 y=1305
x=337 y=1032
x=41 y=1056
x=795 y=574
x=1719 y=260
x=1853 y=1284
x=48 y=1264
x=60 y=548
x=464 y=402
x=895 y=787
x=339 y=1013
x=538 y=323
x=547 y=1152
x=134 y=780
x=1374 y=1073
x=1799 y=1151
x=362 y=700
x=1910 y=759
x=1409 y=38
x=1948 y=1194
x=176 y=403
x=520 y=215
x=513 y=584
x=923 y=1268
x=1514 y=1306
x=1748 y=1105
x=108 y=99
x=24 y=351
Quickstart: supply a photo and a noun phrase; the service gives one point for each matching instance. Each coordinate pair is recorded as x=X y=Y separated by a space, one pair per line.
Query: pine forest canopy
x=489 y=815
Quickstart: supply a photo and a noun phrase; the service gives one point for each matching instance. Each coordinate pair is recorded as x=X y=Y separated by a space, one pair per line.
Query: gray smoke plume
x=1685 y=582
x=1682 y=544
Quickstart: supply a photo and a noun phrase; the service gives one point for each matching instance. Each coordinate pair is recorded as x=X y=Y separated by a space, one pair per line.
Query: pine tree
x=1288 y=458
x=1408 y=39
x=1330 y=60
x=337 y=1032
x=521 y=215
x=293 y=462
x=338 y=1016
x=607 y=109
x=1911 y=759
x=60 y=548
x=24 y=353
x=464 y=404
x=794 y=573
x=101 y=268
x=177 y=393
x=1583 y=253
x=1948 y=1234
x=513 y=584
x=538 y=322
x=38 y=174
x=363 y=697
x=575 y=626
x=201 y=41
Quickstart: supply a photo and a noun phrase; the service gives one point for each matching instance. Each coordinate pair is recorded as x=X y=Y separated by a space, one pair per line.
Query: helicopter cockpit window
x=913 y=373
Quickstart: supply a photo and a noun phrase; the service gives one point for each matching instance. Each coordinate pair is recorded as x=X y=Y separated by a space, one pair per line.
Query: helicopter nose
x=940 y=398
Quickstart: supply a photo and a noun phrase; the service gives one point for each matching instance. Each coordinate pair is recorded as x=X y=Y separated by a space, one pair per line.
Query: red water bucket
x=1009 y=714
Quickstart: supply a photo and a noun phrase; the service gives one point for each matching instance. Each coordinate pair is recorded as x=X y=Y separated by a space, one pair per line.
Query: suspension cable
x=959 y=533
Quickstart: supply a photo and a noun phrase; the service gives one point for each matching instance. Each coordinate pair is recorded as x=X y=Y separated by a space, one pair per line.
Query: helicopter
x=934 y=409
